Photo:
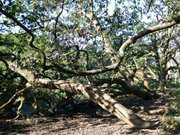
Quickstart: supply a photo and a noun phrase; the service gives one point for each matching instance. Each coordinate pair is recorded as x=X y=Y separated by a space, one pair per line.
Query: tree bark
x=102 y=99
x=162 y=81
x=128 y=88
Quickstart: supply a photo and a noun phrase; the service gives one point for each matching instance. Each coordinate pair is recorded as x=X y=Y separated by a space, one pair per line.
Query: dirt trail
x=99 y=123
x=79 y=125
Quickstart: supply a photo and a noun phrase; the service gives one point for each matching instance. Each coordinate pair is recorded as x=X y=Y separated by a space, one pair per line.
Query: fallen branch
x=102 y=99
x=11 y=98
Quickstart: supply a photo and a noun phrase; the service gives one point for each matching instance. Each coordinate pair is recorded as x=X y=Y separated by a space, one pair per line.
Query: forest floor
x=89 y=119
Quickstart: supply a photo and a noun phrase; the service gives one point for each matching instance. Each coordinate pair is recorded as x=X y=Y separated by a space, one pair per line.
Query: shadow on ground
x=10 y=126
x=85 y=118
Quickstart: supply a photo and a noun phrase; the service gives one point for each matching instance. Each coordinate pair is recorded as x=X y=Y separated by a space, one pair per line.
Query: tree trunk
x=93 y=93
x=102 y=99
x=162 y=80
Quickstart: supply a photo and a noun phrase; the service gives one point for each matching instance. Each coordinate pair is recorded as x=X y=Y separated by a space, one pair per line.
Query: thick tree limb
x=133 y=39
x=118 y=58
x=121 y=52
x=84 y=73
x=147 y=31
x=128 y=88
x=102 y=99
x=93 y=93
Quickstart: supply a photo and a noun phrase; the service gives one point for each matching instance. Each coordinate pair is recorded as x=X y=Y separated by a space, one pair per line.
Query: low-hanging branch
x=120 y=54
x=93 y=93
x=124 y=46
